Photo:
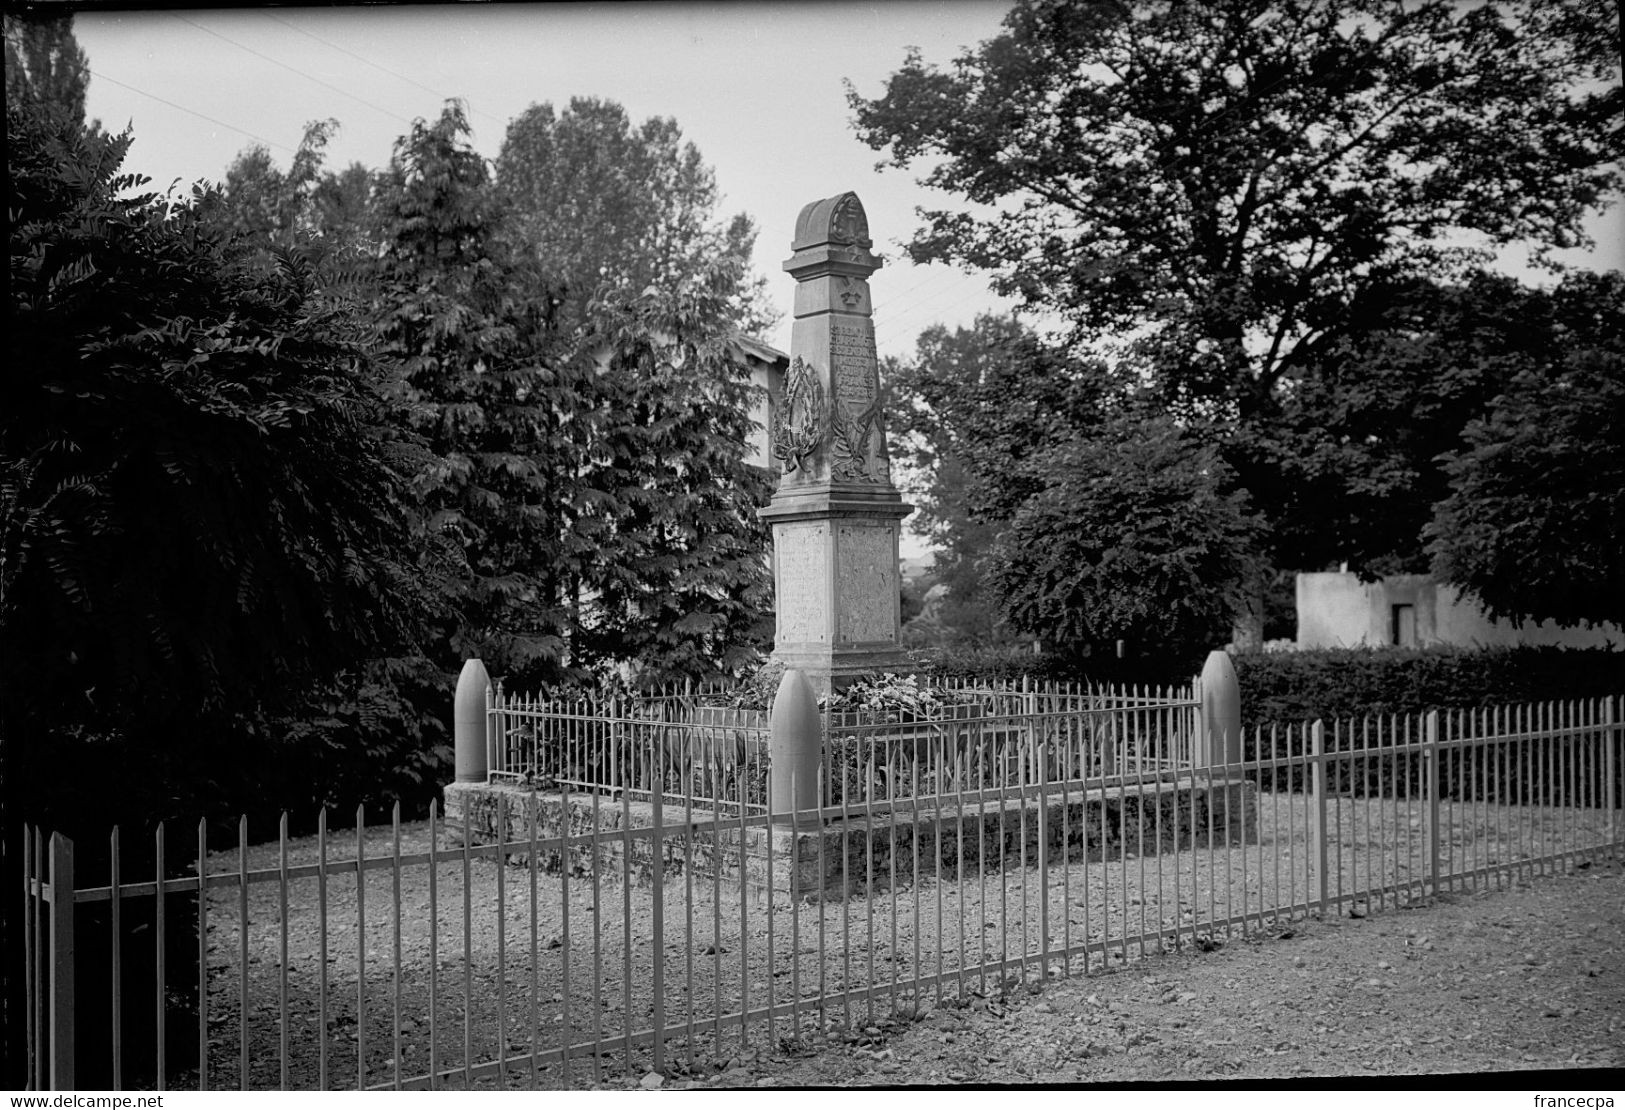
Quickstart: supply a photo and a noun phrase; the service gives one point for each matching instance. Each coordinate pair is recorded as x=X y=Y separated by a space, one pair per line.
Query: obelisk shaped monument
x=835 y=514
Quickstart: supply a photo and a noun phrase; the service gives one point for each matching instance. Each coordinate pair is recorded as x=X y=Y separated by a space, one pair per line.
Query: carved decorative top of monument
x=829 y=427
x=839 y=220
x=834 y=230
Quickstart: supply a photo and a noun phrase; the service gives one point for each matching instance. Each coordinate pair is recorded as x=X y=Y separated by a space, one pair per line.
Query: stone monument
x=835 y=515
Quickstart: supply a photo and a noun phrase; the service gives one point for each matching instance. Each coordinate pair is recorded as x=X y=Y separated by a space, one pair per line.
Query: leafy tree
x=1243 y=183
x=994 y=397
x=1534 y=522
x=388 y=712
x=482 y=382
x=1351 y=470
x=594 y=477
x=1138 y=536
x=977 y=411
x=327 y=216
x=44 y=65
x=200 y=522
x=679 y=586
x=590 y=474
x=1276 y=213
x=609 y=208
x=198 y=515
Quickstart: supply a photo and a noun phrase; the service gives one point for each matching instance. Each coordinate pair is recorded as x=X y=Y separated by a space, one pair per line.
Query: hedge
x=1295 y=687
x=1291 y=688
x=1014 y=664
x=1337 y=683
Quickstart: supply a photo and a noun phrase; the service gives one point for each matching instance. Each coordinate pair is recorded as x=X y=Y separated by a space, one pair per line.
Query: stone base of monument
x=1102 y=825
x=839 y=860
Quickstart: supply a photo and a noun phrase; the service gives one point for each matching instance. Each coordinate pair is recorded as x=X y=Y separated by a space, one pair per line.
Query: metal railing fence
x=716 y=752
x=598 y=946
x=981 y=734
x=691 y=743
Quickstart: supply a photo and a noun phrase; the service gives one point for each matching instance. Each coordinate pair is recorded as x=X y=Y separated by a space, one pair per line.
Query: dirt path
x=1528 y=977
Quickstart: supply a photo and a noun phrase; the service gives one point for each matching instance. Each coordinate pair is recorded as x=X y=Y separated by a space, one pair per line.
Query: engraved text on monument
x=801 y=584
x=866 y=582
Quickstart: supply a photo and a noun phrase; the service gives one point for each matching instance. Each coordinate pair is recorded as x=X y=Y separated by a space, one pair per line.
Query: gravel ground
x=1495 y=981
x=1514 y=974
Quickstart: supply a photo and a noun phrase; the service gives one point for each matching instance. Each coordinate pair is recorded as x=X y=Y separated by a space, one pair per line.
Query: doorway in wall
x=1403 y=625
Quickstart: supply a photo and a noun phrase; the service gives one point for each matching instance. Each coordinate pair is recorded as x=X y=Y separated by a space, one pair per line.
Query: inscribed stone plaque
x=802 y=567
x=852 y=358
x=866 y=583
x=859 y=436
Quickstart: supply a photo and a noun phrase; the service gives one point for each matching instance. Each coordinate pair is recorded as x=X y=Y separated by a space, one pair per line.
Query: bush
x=1289 y=687
x=1364 y=684
x=1169 y=668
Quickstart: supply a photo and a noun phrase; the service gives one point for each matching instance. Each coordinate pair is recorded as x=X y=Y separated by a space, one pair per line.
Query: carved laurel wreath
x=852 y=436
x=798 y=426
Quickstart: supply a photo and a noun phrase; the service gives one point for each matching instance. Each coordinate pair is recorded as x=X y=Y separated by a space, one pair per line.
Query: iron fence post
x=1317 y=825
x=61 y=987
x=1431 y=785
x=1610 y=735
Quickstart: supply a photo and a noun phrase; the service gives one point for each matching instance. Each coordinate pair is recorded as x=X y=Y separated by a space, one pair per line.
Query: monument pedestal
x=836 y=515
x=835 y=570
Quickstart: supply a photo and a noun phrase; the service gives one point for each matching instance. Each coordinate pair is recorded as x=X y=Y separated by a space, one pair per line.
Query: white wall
x=769 y=381
x=768 y=367
x=1336 y=609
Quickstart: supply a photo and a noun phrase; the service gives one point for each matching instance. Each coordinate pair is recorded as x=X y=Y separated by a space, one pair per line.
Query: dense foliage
x=327 y=216
x=203 y=519
x=577 y=380
x=280 y=455
x=1250 y=178
x=1534 y=525
x=972 y=662
x=608 y=209
x=678 y=584
x=1137 y=536
x=1268 y=221
x=483 y=381
x=45 y=68
x=200 y=515
x=1335 y=683
x=1290 y=687
x=1354 y=468
x=975 y=414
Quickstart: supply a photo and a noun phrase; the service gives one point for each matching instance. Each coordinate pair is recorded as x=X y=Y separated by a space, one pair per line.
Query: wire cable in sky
x=190 y=112
x=941 y=306
x=294 y=69
x=931 y=275
x=943 y=281
x=368 y=61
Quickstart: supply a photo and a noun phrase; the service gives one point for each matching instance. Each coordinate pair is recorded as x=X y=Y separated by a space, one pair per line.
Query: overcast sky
x=756 y=86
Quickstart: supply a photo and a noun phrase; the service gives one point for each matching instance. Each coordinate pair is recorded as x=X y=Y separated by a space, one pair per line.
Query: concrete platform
x=834 y=861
